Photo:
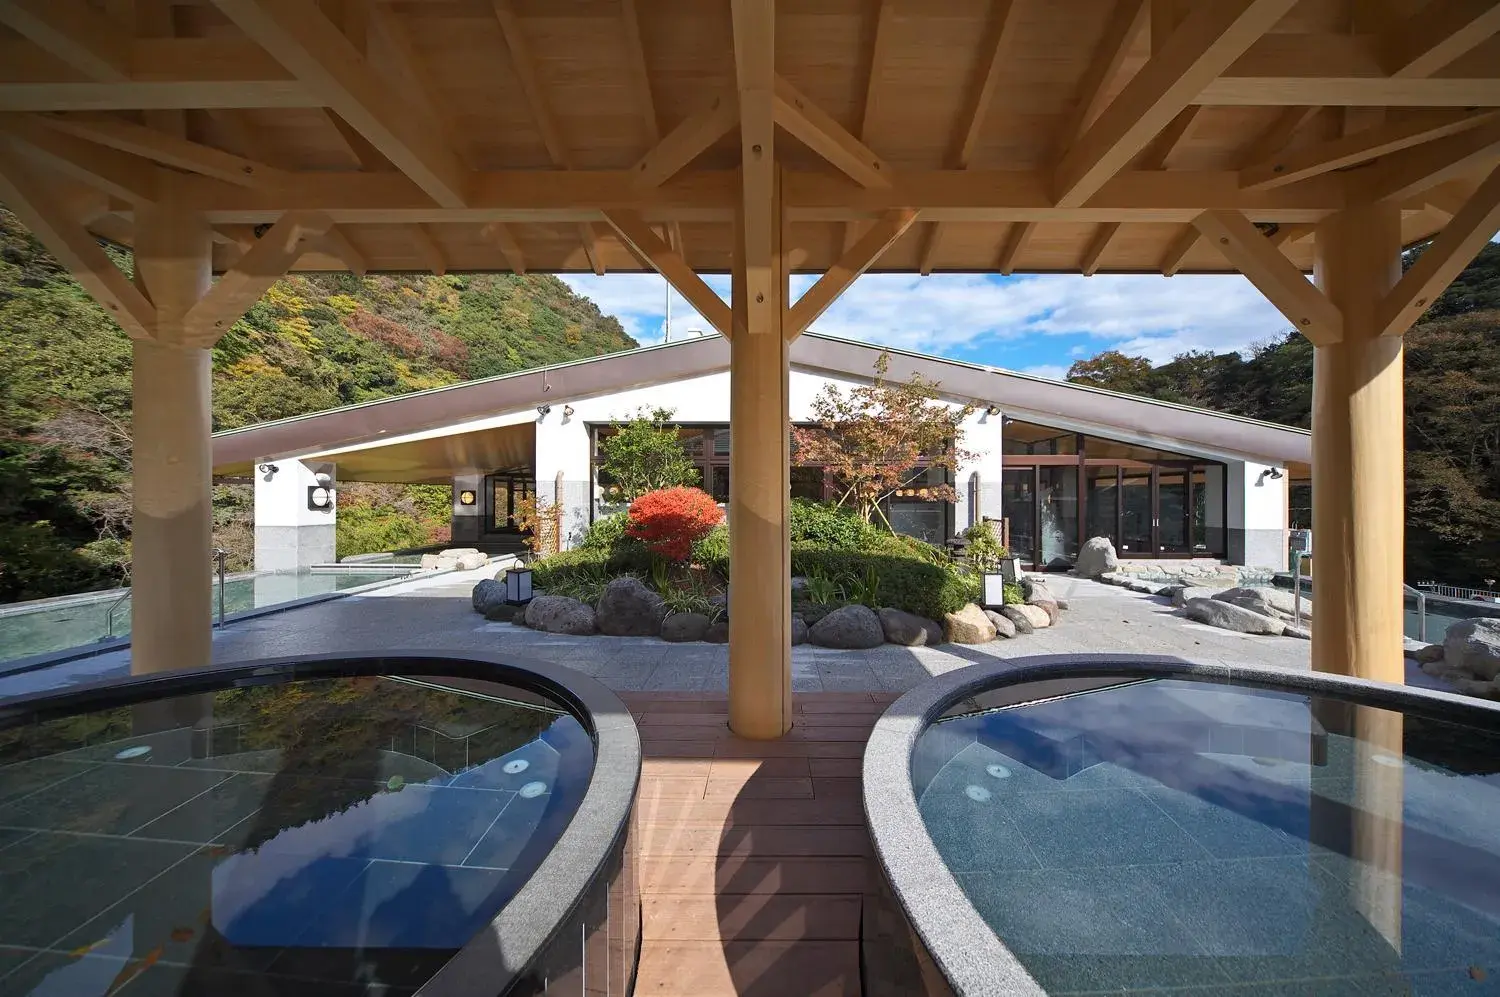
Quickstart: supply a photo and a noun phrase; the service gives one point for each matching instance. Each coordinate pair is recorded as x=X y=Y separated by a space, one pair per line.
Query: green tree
x=644 y=454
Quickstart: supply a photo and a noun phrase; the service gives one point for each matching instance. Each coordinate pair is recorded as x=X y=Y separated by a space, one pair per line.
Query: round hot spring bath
x=1117 y=825
x=403 y=824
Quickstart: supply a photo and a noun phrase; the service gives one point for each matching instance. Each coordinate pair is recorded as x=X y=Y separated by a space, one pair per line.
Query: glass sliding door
x=1136 y=539
x=1018 y=504
x=1057 y=508
x=1102 y=500
x=1172 y=511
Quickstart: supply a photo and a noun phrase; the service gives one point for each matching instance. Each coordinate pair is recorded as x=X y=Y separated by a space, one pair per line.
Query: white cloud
x=639 y=302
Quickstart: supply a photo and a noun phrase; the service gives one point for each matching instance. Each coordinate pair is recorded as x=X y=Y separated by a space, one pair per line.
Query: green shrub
x=605 y=532
x=831 y=527
x=984 y=550
x=907 y=583
x=712 y=551
x=1014 y=594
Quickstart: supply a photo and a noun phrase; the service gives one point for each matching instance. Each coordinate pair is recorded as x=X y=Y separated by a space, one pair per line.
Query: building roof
x=404 y=439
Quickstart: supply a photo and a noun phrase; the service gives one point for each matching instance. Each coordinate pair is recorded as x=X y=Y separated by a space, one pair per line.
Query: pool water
x=1171 y=833
x=329 y=836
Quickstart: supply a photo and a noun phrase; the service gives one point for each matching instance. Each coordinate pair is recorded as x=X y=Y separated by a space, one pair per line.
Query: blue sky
x=1039 y=324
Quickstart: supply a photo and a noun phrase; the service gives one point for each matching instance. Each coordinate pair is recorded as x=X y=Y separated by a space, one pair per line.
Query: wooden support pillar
x=1358 y=461
x=171 y=626
x=760 y=595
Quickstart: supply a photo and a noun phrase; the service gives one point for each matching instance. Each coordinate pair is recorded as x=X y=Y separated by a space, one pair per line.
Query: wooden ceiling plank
x=160 y=147
x=1097 y=247
x=1125 y=22
x=531 y=83
x=755 y=78
x=1015 y=241
x=649 y=246
x=1436 y=35
x=264 y=263
x=319 y=55
x=505 y=240
x=72 y=246
x=1408 y=173
x=428 y=249
x=640 y=75
x=1207 y=42
x=836 y=280
x=817 y=130
x=1449 y=198
x=1359 y=147
x=121 y=175
x=1316 y=87
x=336 y=242
x=1178 y=250
x=687 y=141
x=87 y=39
x=1275 y=276
x=1454 y=248
x=880 y=44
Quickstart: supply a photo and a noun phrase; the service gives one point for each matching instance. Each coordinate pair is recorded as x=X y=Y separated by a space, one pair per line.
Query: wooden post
x=760 y=595
x=171 y=625
x=1358 y=460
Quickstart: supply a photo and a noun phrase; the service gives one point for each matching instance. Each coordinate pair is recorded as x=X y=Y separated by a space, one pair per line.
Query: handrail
x=220 y=556
x=1421 y=610
x=110 y=618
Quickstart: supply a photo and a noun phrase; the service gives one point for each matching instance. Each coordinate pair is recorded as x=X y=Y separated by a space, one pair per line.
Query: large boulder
x=718 y=632
x=458 y=551
x=1184 y=594
x=1096 y=558
x=1018 y=619
x=1430 y=652
x=909 y=629
x=1228 y=616
x=679 y=628
x=1002 y=624
x=470 y=561
x=429 y=562
x=558 y=614
x=506 y=613
x=1265 y=600
x=1048 y=606
x=968 y=626
x=629 y=609
x=799 y=630
x=1035 y=615
x=488 y=594
x=1474 y=646
x=848 y=627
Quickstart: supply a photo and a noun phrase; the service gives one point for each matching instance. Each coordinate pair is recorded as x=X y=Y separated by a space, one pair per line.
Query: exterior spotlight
x=567 y=411
x=467 y=497
x=542 y=410
x=1276 y=474
x=269 y=470
x=992 y=410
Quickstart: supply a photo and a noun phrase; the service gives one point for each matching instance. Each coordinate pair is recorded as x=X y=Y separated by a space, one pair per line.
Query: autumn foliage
x=668 y=521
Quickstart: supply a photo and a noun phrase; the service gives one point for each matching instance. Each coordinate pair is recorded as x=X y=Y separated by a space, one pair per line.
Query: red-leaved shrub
x=668 y=521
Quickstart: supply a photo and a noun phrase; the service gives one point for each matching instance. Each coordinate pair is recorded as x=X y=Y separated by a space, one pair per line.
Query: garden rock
x=1227 y=616
x=1474 y=647
x=1018 y=619
x=679 y=628
x=505 y=613
x=812 y=612
x=850 y=627
x=968 y=626
x=558 y=614
x=1035 y=615
x=798 y=583
x=1293 y=630
x=1046 y=605
x=1265 y=600
x=471 y=561
x=1096 y=558
x=1430 y=652
x=799 y=630
x=909 y=629
x=429 y=562
x=1002 y=624
x=629 y=609
x=487 y=595
x=456 y=552
x=717 y=633
x=1184 y=594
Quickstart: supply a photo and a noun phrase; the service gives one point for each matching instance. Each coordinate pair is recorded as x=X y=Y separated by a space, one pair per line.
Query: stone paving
x=435 y=613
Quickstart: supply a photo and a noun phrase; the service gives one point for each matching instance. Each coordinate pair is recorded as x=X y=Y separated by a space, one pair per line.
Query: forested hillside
x=313 y=342
x=1452 y=415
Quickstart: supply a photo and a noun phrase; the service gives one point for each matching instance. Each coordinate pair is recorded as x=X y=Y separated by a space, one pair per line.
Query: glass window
x=1058 y=512
x=807 y=483
x=1172 y=511
x=1029 y=438
x=1301 y=505
x=1103 y=502
x=1135 y=513
x=720 y=489
x=1018 y=504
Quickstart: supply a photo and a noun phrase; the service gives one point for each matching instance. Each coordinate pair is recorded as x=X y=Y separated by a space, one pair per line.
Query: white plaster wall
x=289 y=535
x=1257 y=515
x=982 y=436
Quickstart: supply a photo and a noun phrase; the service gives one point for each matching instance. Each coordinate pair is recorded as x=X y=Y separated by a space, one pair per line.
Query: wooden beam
x=755 y=78
x=1454 y=248
x=264 y=263
x=428 y=249
x=505 y=240
x=640 y=76
x=649 y=246
x=1359 y=147
x=336 y=242
x=687 y=141
x=1275 y=276
x=117 y=174
x=531 y=84
x=864 y=254
x=85 y=38
x=1177 y=252
x=880 y=43
x=1436 y=35
x=1125 y=23
x=590 y=240
x=160 y=147
x=1313 y=86
x=319 y=55
x=1407 y=174
x=1211 y=38
x=73 y=247
x=1285 y=235
x=1015 y=241
x=1276 y=136
x=825 y=136
x=1097 y=247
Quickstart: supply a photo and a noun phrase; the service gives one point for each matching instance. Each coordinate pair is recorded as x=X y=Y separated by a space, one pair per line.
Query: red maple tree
x=670 y=520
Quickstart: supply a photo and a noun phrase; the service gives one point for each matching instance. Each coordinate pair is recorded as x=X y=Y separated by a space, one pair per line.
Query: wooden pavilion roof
x=576 y=135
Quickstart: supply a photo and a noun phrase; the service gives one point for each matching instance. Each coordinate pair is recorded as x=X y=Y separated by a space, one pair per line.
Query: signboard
x=1302 y=542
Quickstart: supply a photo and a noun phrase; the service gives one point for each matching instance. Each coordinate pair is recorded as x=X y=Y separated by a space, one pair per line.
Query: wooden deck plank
x=737 y=812
x=706 y=918
x=754 y=842
x=750 y=969
x=729 y=875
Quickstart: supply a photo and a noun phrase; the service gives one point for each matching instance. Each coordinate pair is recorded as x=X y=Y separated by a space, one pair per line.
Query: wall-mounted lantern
x=320 y=495
x=467 y=497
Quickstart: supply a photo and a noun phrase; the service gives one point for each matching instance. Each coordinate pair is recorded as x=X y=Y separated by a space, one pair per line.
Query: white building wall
x=1257 y=515
x=288 y=535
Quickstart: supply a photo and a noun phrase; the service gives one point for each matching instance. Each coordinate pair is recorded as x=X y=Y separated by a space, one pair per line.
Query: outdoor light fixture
x=993 y=594
x=320 y=495
x=269 y=470
x=467 y=497
x=992 y=410
x=542 y=410
x=518 y=585
x=567 y=411
x=1274 y=473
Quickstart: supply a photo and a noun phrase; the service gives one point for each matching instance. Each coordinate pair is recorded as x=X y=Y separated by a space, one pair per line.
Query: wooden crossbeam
x=336 y=241
x=817 y=130
x=72 y=246
x=755 y=79
x=1359 y=147
x=1015 y=241
x=1153 y=158
x=85 y=38
x=1287 y=234
x=688 y=141
x=859 y=258
x=1125 y=23
x=652 y=248
x=322 y=58
x=1310 y=84
x=1097 y=247
x=1436 y=35
x=505 y=240
x=428 y=249
x=1407 y=174
x=630 y=17
x=265 y=262
x=160 y=147
x=880 y=44
x=590 y=240
x=117 y=174
x=1211 y=38
x=1275 y=276
x=1178 y=250
x=1453 y=249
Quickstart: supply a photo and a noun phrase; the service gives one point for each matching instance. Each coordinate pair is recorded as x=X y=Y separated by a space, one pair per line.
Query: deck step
x=749 y=969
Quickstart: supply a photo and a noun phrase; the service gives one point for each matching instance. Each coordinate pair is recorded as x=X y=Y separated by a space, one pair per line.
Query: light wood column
x=760 y=595
x=171 y=626
x=1358 y=453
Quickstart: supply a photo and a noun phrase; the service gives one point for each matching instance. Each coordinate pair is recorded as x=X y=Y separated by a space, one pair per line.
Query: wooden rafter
x=505 y=241
x=1436 y=35
x=1453 y=249
x=117 y=174
x=1125 y=23
x=880 y=43
x=1359 y=147
x=1178 y=250
x=1275 y=276
x=1211 y=38
x=72 y=246
x=859 y=258
x=336 y=242
x=322 y=58
x=1287 y=234
x=1015 y=241
x=825 y=136
x=264 y=263
x=1154 y=158
x=84 y=38
x=1407 y=174
x=428 y=249
x=687 y=141
x=652 y=248
x=755 y=79
x=630 y=17
x=160 y=147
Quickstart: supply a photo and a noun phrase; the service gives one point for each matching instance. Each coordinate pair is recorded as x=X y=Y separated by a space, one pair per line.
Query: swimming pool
x=331 y=826
x=1136 y=826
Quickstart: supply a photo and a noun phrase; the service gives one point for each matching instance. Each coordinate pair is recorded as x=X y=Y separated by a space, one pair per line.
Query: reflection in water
x=1177 y=833
x=278 y=838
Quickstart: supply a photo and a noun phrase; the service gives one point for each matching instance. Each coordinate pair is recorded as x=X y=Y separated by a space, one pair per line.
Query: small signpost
x=1301 y=546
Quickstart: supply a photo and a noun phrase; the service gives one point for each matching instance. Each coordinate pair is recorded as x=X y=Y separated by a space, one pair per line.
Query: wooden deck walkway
x=753 y=854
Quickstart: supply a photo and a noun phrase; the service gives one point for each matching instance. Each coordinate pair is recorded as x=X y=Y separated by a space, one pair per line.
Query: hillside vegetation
x=313 y=342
